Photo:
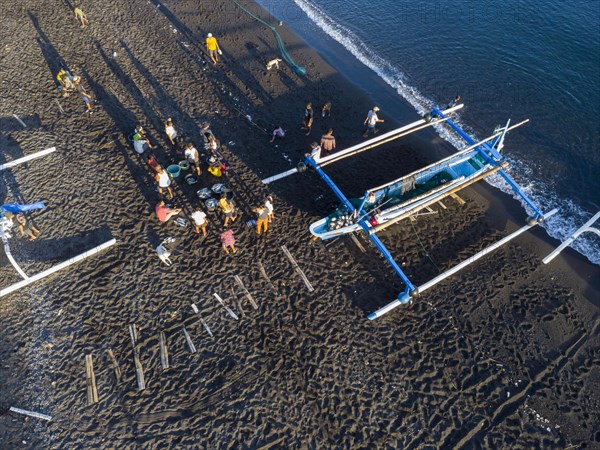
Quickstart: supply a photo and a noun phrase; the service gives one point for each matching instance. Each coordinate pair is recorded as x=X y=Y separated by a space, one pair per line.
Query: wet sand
x=502 y=355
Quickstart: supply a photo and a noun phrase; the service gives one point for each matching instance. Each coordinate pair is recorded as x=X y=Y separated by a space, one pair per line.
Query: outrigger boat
x=385 y=205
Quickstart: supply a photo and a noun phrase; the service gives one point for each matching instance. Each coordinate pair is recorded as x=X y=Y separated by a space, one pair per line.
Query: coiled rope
x=284 y=53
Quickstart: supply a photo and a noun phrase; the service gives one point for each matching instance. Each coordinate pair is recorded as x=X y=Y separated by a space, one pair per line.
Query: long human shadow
x=10 y=147
x=53 y=59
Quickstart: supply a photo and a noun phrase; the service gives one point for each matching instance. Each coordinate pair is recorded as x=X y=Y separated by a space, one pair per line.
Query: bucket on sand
x=174 y=170
x=185 y=165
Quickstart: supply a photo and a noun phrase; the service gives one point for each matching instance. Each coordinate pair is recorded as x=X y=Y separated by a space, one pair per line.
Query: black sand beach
x=502 y=355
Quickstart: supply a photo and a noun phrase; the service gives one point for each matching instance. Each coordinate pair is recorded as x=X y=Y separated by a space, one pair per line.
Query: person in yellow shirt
x=213 y=48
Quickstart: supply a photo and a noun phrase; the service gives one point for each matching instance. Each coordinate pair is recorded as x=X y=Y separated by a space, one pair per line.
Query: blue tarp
x=15 y=208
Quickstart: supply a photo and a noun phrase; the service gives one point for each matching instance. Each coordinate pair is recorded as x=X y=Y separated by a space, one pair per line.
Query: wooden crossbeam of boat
x=24 y=159
x=457 y=199
x=392 y=305
x=386 y=137
x=357 y=243
x=51 y=270
x=466 y=182
x=90 y=378
x=338 y=156
x=24 y=412
x=587 y=227
x=266 y=277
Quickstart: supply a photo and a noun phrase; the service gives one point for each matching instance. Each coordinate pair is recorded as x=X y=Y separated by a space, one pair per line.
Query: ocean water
x=515 y=59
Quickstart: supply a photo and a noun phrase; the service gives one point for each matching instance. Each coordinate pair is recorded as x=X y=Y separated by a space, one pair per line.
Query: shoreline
x=485 y=356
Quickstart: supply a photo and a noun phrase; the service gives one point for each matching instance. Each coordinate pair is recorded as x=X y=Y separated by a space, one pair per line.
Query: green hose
x=284 y=53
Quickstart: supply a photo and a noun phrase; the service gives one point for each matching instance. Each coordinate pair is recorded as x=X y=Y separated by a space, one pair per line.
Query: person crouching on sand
x=213 y=48
x=278 y=133
x=164 y=213
x=228 y=240
x=26 y=228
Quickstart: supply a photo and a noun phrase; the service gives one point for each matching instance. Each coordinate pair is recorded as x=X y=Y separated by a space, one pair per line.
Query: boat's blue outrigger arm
x=484 y=154
x=403 y=297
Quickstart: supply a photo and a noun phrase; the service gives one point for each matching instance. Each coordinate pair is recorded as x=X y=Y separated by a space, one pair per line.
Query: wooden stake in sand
x=30 y=413
x=266 y=277
x=188 y=339
x=357 y=242
x=20 y=121
x=92 y=390
x=204 y=324
x=139 y=371
x=231 y=313
x=115 y=364
x=164 y=353
x=59 y=107
x=238 y=280
x=298 y=269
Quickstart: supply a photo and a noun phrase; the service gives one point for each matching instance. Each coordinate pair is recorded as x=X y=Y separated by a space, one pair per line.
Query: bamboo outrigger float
x=385 y=205
x=5 y=232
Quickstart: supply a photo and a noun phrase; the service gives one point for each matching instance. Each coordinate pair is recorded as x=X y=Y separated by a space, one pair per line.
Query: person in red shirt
x=228 y=240
x=164 y=213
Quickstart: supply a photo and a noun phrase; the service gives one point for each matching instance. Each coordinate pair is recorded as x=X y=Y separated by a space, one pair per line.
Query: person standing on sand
x=80 y=16
x=228 y=209
x=371 y=121
x=191 y=154
x=164 y=182
x=164 y=213
x=326 y=111
x=153 y=164
x=262 y=222
x=213 y=48
x=328 y=142
x=199 y=218
x=269 y=206
x=171 y=131
x=315 y=151
x=228 y=240
x=308 y=118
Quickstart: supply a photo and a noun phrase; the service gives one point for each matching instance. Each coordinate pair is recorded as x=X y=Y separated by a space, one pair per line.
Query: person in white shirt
x=315 y=151
x=193 y=157
x=269 y=206
x=199 y=219
x=164 y=181
x=171 y=131
x=371 y=121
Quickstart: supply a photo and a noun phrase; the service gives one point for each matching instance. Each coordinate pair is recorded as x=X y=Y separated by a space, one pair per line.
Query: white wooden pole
x=370 y=142
x=16 y=162
x=586 y=227
x=10 y=257
x=30 y=413
x=56 y=268
x=387 y=308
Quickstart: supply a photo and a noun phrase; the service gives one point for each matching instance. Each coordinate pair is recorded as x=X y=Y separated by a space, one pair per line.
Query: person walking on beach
x=87 y=100
x=228 y=209
x=328 y=142
x=371 y=121
x=308 y=118
x=228 y=240
x=164 y=213
x=213 y=48
x=171 y=131
x=164 y=182
x=191 y=154
x=315 y=151
x=326 y=111
x=269 y=206
x=199 y=218
x=80 y=16
x=262 y=221
x=278 y=133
